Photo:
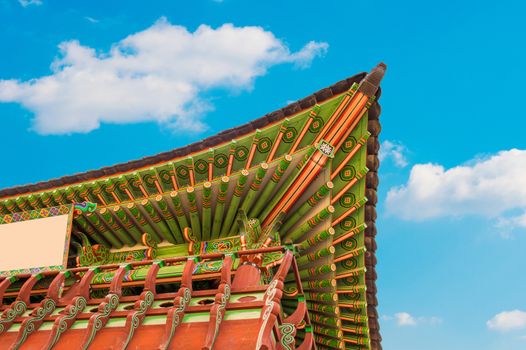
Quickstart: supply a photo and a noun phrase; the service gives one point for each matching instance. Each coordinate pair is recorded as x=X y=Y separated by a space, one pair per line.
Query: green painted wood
x=312 y=222
x=317 y=238
x=139 y=217
x=159 y=223
x=194 y=212
x=234 y=203
x=166 y=214
x=125 y=220
x=271 y=185
x=178 y=210
x=107 y=234
x=86 y=228
x=311 y=202
x=255 y=187
x=116 y=228
x=207 y=210
x=286 y=184
x=316 y=255
x=220 y=207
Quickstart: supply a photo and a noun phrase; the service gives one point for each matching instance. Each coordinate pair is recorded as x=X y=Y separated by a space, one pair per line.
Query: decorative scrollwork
x=287 y=331
x=221 y=301
x=9 y=315
x=99 y=320
x=175 y=315
x=290 y=292
x=151 y=243
x=270 y=293
x=64 y=322
x=135 y=319
x=85 y=207
x=46 y=307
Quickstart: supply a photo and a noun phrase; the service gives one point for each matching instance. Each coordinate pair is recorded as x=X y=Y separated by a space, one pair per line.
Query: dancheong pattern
x=35 y=214
x=271 y=222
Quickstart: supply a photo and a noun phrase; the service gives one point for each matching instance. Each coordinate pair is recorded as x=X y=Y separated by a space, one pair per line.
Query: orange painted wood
x=247 y=276
x=275 y=147
x=301 y=135
x=234 y=335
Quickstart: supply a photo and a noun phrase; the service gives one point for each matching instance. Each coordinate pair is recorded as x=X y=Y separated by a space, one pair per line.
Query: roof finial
x=369 y=85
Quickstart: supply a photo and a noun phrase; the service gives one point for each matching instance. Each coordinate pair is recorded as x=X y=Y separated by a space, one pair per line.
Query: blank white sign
x=33 y=243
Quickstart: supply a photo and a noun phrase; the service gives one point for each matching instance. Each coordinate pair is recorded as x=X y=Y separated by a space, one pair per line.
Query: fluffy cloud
x=494 y=187
x=26 y=3
x=395 y=151
x=404 y=319
x=158 y=75
x=508 y=321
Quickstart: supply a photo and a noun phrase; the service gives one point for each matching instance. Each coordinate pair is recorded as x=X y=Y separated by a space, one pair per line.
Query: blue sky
x=452 y=204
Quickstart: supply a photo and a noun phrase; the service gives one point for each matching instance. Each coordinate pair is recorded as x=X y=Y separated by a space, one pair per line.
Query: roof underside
x=256 y=168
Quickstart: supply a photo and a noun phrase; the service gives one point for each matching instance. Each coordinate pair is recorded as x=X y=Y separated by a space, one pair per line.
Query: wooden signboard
x=35 y=241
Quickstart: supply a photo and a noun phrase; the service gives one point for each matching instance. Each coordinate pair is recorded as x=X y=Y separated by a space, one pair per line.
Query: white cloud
x=494 y=187
x=158 y=74
x=395 y=151
x=405 y=319
x=91 y=19
x=26 y=3
x=508 y=321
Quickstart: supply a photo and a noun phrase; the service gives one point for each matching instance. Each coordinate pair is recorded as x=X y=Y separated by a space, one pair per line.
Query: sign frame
x=41 y=214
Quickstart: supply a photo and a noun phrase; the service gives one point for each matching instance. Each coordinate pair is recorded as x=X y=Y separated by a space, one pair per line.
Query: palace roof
x=291 y=195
